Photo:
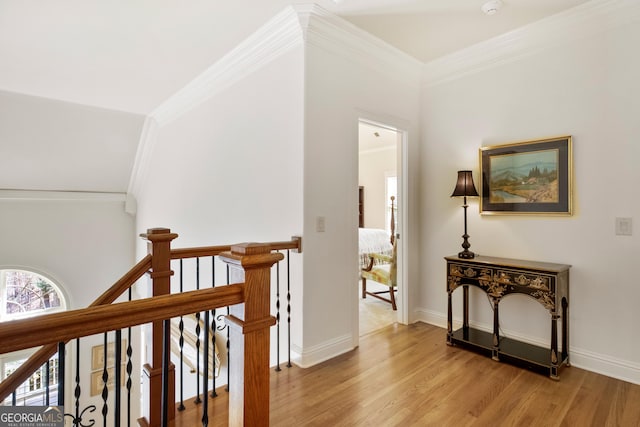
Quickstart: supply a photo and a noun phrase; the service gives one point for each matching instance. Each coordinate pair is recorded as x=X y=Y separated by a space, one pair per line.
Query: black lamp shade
x=464 y=186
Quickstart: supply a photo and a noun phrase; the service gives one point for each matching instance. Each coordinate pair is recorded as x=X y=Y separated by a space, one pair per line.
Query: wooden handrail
x=53 y=328
x=43 y=354
x=125 y=282
x=50 y=345
x=203 y=251
x=295 y=243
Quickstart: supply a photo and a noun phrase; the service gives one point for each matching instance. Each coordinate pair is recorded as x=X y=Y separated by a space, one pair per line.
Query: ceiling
x=78 y=77
x=372 y=137
x=132 y=55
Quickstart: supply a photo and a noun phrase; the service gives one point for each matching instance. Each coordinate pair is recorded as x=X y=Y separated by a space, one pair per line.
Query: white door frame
x=401 y=128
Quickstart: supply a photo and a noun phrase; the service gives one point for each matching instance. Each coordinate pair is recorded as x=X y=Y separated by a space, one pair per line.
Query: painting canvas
x=527 y=177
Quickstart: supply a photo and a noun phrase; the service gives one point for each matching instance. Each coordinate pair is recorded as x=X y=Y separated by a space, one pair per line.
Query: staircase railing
x=246 y=296
x=40 y=357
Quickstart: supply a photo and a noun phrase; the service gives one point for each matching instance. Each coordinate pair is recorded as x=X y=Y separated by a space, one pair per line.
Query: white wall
x=236 y=167
x=373 y=165
x=340 y=88
x=587 y=88
x=230 y=169
x=83 y=243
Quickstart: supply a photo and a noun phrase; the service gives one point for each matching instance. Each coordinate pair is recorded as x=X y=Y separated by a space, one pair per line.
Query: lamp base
x=466 y=254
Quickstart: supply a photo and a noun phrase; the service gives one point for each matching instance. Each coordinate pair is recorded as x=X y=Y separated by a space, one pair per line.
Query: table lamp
x=464 y=188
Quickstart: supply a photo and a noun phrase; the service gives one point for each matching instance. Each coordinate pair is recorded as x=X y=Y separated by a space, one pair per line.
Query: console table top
x=509 y=262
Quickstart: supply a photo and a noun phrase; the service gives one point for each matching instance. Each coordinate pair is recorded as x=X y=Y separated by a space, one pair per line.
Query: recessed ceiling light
x=491 y=7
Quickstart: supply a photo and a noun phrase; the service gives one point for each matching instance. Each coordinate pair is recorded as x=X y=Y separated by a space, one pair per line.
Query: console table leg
x=496 y=331
x=449 y=319
x=554 y=346
x=565 y=331
x=465 y=307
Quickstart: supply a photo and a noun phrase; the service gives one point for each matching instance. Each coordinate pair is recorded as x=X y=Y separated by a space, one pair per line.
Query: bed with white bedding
x=373 y=240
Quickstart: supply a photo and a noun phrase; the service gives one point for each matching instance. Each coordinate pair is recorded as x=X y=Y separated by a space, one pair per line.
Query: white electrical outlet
x=320 y=224
x=624 y=226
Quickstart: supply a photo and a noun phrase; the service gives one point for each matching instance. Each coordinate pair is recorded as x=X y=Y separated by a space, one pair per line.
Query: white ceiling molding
x=141 y=162
x=581 y=21
x=287 y=30
x=278 y=36
x=43 y=195
x=329 y=31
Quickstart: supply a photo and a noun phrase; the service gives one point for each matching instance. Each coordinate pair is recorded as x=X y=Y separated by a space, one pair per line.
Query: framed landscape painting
x=530 y=177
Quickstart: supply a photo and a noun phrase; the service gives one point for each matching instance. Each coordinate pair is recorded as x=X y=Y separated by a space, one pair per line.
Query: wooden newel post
x=159 y=247
x=249 y=325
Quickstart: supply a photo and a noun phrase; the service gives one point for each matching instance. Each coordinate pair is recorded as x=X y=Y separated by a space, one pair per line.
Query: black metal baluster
x=61 y=373
x=288 y=309
x=77 y=389
x=118 y=378
x=228 y=338
x=198 y=400
x=46 y=381
x=214 y=393
x=105 y=379
x=278 y=317
x=129 y=371
x=205 y=380
x=181 y=326
x=14 y=397
x=79 y=415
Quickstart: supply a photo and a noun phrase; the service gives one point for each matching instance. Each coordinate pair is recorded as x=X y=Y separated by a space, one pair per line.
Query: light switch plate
x=624 y=226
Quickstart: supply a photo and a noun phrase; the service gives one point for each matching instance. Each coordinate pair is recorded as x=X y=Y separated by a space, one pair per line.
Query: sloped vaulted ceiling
x=59 y=146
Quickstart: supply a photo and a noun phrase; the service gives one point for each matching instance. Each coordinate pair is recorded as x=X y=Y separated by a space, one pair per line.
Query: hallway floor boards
x=408 y=376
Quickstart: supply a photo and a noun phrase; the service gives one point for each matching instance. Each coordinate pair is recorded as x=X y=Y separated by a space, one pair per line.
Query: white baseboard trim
x=605 y=365
x=319 y=353
x=434 y=318
x=584 y=359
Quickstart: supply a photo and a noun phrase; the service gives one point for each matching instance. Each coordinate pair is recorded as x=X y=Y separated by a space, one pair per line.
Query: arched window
x=25 y=294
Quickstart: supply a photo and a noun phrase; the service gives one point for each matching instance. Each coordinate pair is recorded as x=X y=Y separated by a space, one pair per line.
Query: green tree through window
x=26 y=292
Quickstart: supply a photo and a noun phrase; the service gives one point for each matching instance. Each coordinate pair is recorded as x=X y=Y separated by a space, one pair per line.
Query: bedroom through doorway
x=378 y=178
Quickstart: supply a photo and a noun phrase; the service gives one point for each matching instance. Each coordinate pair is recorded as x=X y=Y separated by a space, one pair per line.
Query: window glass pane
x=27 y=292
x=33 y=390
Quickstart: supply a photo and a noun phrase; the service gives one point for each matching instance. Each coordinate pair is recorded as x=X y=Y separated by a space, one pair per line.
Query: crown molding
x=143 y=157
x=44 y=195
x=278 y=36
x=328 y=31
x=585 y=20
x=294 y=27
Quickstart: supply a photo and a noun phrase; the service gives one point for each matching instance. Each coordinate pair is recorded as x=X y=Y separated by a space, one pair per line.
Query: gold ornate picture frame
x=528 y=177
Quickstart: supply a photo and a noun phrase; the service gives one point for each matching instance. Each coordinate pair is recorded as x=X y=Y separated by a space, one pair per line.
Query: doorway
x=379 y=176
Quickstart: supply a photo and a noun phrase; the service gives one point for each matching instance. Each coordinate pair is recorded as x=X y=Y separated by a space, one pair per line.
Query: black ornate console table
x=547 y=283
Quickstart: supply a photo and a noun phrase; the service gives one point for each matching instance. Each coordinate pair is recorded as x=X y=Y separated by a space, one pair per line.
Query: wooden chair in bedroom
x=383 y=272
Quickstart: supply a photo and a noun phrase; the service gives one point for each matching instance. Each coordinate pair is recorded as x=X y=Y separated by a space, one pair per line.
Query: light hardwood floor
x=408 y=376
x=375 y=314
